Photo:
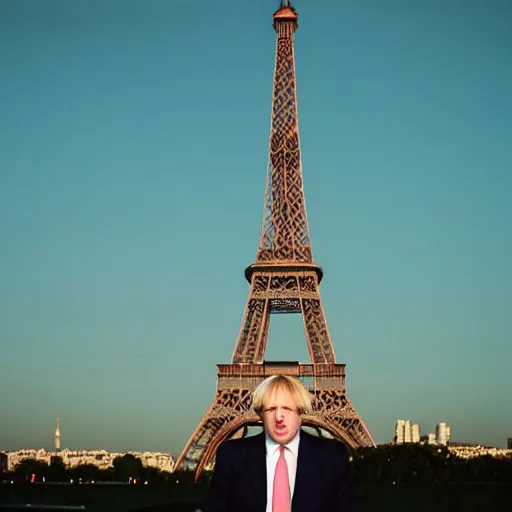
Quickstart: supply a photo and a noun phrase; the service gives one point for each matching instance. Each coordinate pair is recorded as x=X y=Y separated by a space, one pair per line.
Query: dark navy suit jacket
x=323 y=482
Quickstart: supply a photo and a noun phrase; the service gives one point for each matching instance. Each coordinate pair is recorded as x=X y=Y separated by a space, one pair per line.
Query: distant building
x=441 y=434
x=399 y=431
x=415 y=433
x=407 y=432
x=57 y=435
x=509 y=443
x=99 y=458
x=471 y=451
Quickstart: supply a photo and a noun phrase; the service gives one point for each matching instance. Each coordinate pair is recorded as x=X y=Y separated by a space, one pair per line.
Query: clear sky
x=133 y=153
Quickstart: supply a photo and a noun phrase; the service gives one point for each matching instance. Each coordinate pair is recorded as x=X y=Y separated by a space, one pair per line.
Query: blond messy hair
x=289 y=385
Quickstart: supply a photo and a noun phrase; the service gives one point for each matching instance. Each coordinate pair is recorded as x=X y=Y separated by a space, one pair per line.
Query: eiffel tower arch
x=283 y=279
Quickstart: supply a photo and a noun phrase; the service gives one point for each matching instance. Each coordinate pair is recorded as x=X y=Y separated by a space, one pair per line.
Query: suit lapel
x=305 y=474
x=257 y=469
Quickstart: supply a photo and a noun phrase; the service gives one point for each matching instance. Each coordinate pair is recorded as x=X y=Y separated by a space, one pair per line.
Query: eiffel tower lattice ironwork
x=283 y=279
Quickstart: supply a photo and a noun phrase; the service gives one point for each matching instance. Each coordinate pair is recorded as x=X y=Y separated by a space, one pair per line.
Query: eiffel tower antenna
x=57 y=435
x=283 y=279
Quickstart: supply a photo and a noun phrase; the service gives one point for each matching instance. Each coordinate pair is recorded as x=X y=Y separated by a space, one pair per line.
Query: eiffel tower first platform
x=283 y=279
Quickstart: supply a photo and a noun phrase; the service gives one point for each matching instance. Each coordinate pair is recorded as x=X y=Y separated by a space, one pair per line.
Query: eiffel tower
x=283 y=279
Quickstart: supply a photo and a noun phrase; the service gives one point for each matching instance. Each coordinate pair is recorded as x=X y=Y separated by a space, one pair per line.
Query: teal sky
x=133 y=152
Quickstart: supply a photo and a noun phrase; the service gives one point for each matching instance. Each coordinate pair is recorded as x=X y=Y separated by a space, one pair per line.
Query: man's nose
x=279 y=413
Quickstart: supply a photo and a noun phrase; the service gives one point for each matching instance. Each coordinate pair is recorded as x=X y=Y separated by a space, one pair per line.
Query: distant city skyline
x=132 y=172
x=441 y=434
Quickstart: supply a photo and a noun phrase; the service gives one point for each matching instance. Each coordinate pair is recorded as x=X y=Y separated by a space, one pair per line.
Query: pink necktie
x=281 y=492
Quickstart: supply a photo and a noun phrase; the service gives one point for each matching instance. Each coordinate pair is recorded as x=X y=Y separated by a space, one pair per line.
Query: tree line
x=399 y=464
x=415 y=463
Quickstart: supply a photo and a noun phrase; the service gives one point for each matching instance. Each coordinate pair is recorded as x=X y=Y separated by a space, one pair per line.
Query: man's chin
x=281 y=436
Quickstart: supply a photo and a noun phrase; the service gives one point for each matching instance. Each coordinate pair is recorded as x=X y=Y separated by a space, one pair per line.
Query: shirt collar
x=293 y=445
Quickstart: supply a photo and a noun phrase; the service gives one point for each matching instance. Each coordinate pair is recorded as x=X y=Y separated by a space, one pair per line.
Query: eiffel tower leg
x=335 y=413
x=283 y=292
x=252 y=339
x=319 y=341
x=229 y=412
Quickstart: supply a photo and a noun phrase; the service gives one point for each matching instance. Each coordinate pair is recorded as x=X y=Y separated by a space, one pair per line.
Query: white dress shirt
x=291 y=454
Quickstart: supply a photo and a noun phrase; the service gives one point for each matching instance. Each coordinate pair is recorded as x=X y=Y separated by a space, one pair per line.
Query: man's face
x=281 y=418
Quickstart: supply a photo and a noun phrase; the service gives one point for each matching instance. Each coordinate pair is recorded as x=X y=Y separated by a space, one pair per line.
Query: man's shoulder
x=325 y=445
x=240 y=445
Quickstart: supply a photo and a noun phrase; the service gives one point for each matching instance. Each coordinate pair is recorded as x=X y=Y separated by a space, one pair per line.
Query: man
x=283 y=469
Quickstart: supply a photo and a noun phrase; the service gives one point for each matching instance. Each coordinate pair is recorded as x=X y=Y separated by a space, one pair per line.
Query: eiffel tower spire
x=284 y=236
x=57 y=435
